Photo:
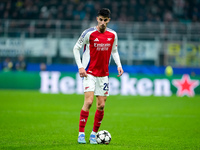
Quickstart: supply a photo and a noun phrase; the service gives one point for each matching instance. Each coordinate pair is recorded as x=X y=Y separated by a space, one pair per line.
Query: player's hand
x=120 y=71
x=82 y=72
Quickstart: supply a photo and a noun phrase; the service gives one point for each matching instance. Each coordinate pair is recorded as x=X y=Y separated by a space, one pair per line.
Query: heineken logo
x=51 y=82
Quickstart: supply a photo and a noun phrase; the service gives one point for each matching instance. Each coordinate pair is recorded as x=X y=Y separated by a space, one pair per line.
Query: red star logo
x=185 y=86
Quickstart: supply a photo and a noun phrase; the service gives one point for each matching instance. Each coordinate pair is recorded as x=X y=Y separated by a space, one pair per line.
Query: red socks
x=97 y=120
x=83 y=120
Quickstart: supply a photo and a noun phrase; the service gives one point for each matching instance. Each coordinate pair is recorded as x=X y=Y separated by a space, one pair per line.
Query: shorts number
x=106 y=87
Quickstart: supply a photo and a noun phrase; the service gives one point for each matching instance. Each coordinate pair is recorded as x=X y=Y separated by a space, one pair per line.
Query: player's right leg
x=89 y=96
x=89 y=86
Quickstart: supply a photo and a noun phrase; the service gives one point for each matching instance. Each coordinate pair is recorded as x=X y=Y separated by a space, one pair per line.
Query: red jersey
x=97 y=50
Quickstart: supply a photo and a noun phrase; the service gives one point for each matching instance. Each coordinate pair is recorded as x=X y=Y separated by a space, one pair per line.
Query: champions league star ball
x=103 y=137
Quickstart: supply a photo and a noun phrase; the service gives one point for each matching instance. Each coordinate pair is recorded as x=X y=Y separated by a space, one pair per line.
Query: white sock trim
x=93 y=133
x=81 y=133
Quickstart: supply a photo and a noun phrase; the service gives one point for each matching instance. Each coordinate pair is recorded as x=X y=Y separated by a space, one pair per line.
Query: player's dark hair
x=105 y=12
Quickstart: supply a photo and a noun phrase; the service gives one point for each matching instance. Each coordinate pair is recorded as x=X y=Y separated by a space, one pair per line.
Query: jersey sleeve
x=115 y=53
x=83 y=39
x=114 y=48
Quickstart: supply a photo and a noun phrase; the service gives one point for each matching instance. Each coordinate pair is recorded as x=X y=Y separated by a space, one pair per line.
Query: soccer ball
x=103 y=137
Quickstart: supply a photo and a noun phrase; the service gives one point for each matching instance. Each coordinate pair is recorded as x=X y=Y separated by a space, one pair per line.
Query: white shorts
x=99 y=85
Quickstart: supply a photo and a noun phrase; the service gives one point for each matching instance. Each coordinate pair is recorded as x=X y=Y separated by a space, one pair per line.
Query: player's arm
x=116 y=58
x=76 y=50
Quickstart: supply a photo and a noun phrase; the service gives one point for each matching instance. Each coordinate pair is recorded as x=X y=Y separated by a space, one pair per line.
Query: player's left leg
x=98 y=118
x=101 y=92
x=101 y=100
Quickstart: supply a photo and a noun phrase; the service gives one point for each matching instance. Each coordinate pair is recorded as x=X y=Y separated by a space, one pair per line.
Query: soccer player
x=99 y=43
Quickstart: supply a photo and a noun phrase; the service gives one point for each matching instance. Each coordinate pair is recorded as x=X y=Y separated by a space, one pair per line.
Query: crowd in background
x=125 y=10
x=121 y=10
x=19 y=65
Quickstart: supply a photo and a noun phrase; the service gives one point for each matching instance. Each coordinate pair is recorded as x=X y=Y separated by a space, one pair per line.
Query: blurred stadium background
x=39 y=36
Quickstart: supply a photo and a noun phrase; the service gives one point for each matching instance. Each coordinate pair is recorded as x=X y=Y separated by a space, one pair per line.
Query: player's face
x=102 y=22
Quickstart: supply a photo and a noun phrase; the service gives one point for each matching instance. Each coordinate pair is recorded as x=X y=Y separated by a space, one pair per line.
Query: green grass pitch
x=31 y=120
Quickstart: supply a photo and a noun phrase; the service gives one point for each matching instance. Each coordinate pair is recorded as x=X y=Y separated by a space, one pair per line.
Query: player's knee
x=89 y=103
x=101 y=106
